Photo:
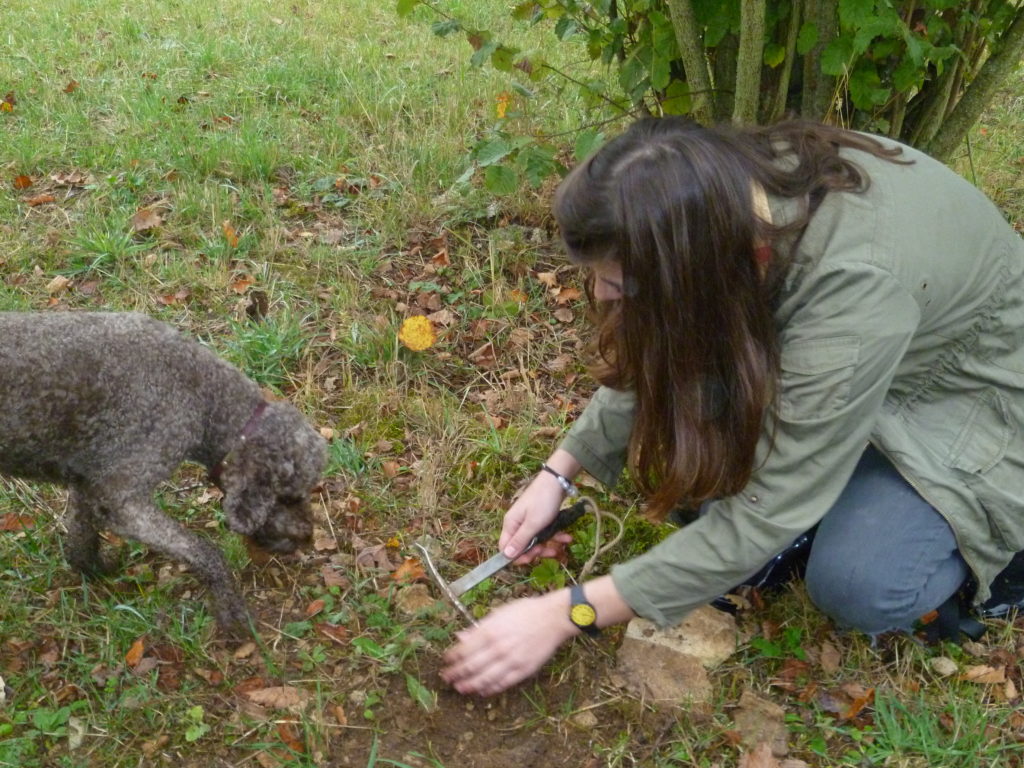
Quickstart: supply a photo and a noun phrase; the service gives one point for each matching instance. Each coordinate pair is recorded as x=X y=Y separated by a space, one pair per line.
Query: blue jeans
x=882 y=556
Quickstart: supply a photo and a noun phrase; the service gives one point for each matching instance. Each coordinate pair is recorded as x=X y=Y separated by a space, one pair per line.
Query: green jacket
x=901 y=324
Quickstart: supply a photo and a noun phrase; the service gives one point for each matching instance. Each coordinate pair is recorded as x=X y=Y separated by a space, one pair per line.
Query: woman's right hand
x=536 y=507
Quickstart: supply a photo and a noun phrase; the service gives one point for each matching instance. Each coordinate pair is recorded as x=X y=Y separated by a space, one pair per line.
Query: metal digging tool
x=454 y=590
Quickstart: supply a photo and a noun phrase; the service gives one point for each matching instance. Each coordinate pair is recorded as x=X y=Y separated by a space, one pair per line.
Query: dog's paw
x=234 y=622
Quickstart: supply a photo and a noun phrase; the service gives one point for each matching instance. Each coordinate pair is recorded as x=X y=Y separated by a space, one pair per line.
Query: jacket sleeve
x=599 y=438
x=839 y=352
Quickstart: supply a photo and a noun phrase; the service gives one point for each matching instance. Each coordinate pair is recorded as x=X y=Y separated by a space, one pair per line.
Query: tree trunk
x=695 y=63
x=749 y=62
x=778 y=106
x=818 y=88
x=979 y=93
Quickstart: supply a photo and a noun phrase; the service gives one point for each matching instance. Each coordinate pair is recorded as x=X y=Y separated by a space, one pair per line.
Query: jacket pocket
x=816 y=375
x=997 y=482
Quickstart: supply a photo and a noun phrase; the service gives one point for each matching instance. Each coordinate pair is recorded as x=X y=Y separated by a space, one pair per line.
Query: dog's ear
x=248 y=497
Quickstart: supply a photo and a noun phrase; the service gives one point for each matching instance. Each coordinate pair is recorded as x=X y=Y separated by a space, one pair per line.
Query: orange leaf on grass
x=13 y=522
x=242 y=284
x=315 y=607
x=71 y=87
x=146 y=219
x=984 y=674
x=409 y=571
x=22 y=181
x=134 y=655
x=333 y=632
x=40 y=199
x=230 y=235
x=288 y=732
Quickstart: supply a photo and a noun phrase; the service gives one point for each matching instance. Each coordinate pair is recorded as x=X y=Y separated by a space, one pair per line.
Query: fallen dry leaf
x=145 y=220
x=339 y=715
x=984 y=674
x=567 y=295
x=14 y=522
x=830 y=658
x=484 y=355
x=242 y=284
x=71 y=87
x=230 y=235
x=245 y=650
x=390 y=469
x=375 y=556
x=58 y=285
x=332 y=577
x=409 y=571
x=288 y=732
x=549 y=279
x=279 y=697
x=22 y=181
x=134 y=655
x=41 y=199
x=315 y=607
x=333 y=632
x=760 y=757
x=71 y=178
x=564 y=315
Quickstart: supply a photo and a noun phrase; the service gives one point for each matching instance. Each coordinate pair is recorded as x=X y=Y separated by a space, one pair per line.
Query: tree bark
x=778 y=107
x=749 y=62
x=695 y=63
x=819 y=88
x=979 y=93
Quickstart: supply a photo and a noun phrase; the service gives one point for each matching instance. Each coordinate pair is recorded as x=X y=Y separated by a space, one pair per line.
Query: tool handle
x=565 y=517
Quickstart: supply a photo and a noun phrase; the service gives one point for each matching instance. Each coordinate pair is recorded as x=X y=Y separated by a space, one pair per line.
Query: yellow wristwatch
x=582 y=613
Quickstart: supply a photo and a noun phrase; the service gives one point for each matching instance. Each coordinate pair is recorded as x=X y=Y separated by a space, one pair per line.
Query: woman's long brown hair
x=693 y=333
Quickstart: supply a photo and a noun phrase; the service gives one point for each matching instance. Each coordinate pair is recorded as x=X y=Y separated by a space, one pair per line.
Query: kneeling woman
x=799 y=326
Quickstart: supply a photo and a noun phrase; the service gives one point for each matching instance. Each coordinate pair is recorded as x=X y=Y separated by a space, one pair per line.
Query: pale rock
x=758 y=720
x=659 y=674
x=413 y=599
x=943 y=666
x=707 y=634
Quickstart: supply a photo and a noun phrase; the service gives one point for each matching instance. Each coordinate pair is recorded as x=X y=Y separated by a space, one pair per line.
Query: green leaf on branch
x=807 y=38
x=566 y=27
x=837 y=56
x=907 y=76
x=405 y=7
x=774 y=54
x=677 y=99
x=446 y=27
x=490 y=151
x=501 y=180
x=854 y=14
x=537 y=162
x=866 y=89
x=502 y=59
x=587 y=142
x=528 y=11
x=483 y=53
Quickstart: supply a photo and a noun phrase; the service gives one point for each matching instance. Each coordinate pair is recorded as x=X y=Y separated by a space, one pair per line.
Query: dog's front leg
x=143 y=521
x=82 y=540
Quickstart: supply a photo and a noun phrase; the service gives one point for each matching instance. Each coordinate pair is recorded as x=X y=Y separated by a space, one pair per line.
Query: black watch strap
x=581 y=612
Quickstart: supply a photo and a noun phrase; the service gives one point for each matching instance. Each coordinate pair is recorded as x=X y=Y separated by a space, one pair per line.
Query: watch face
x=583 y=615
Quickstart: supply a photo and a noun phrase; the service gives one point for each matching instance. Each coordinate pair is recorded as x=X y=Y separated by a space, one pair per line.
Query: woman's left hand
x=509 y=644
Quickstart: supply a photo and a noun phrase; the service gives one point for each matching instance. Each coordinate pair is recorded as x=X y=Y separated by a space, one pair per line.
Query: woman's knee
x=851 y=599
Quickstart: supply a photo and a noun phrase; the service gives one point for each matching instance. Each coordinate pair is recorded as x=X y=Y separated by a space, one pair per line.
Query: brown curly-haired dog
x=109 y=404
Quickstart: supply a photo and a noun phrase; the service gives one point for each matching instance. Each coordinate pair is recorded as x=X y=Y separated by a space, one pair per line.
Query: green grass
x=306 y=162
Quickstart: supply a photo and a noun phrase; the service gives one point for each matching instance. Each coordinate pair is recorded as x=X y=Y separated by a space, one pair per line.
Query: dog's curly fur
x=109 y=404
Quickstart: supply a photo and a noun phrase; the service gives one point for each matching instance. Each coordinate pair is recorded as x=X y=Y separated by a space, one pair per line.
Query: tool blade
x=487 y=568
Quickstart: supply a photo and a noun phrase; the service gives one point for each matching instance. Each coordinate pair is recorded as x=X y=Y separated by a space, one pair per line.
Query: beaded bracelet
x=567 y=485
